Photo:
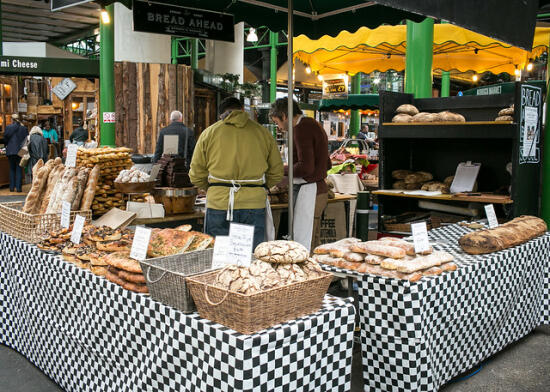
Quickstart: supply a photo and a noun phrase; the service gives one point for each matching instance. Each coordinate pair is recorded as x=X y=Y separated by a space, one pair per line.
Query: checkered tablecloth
x=418 y=336
x=88 y=334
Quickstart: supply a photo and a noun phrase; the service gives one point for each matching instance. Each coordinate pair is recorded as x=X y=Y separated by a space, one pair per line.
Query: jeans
x=16 y=172
x=216 y=223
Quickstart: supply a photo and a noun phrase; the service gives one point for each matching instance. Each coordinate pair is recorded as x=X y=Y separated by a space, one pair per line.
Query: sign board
x=36 y=66
x=491 y=216
x=77 y=229
x=22 y=107
x=530 y=124
x=241 y=238
x=335 y=86
x=140 y=243
x=221 y=257
x=489 y=90
x=60 y=4
x=72 y=150
x=170 y=144
x=420 y=237
x=109 y=117
x=65 y=214
x=64 y=88
x=186 y=22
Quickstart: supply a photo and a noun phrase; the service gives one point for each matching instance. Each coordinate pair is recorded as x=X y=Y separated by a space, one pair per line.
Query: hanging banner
x=186 y=22
x=530 y=124
x=335 y=86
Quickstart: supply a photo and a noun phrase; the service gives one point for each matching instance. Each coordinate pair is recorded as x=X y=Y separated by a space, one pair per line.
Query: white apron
x=304 y=212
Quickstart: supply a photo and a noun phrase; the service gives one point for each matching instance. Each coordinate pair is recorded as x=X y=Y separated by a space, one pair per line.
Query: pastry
x=121 y=260
x=417 y=264
x=131 y=277
x=167 y=242
x=104 y=233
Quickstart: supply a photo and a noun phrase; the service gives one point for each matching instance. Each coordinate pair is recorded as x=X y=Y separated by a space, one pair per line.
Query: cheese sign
x=140 y=243
x=491 y=216
x=65 y=214
x=72 y=149
x=420 y=237
x=241 y=238
x=78 y=226
x=221 y=256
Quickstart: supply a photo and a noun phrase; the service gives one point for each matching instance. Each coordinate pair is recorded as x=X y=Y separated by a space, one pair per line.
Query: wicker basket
x=31 y=227
x=251 y=313
x=165 y=277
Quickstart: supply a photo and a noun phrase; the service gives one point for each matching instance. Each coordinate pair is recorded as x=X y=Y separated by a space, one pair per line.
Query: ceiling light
x=530 y=67
x=105 y=18
x=475 y=78
x=376 y=80
x=517 y=72
x=320 y=77
x=308 y=70
x=252 y=36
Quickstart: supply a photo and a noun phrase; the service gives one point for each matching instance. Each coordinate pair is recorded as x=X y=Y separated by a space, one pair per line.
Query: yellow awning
x=383 y=49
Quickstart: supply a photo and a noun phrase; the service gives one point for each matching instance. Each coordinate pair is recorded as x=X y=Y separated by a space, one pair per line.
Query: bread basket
x=135 y=187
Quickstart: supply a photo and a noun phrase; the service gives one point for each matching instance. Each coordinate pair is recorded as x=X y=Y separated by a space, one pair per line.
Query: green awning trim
x=353 y=101
x=503 y=88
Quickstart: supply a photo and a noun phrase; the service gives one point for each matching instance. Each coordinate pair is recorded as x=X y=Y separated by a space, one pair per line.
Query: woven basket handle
x=154 y=280
x=206 y=291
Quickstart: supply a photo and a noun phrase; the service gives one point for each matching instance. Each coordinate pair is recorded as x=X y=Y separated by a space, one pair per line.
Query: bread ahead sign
x=186 y=22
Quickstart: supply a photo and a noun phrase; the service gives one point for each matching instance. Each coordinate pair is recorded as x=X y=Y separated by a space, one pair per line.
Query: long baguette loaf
x=53 y=178
x=407 y=246
x=54 y=206
x=81 y=179
x=419 y=263
x=513 y=233
x=38 y=182
x=89 y=192
x=379 y=248
x=37 y=166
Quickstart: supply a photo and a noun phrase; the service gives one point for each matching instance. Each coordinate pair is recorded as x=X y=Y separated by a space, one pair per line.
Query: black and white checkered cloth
x=418 y=336
x=89 y=334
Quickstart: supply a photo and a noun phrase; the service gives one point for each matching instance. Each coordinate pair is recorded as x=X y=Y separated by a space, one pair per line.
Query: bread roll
x=409 y=109
x=401 y=118
x=89 y=192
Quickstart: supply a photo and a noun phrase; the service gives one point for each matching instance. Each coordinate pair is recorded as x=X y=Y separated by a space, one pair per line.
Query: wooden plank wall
x=145 y=96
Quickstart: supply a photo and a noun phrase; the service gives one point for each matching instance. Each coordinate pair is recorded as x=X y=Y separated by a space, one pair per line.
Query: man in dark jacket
x=185 y=137
x=14 y=136
x=79 y=135
x=38 y=147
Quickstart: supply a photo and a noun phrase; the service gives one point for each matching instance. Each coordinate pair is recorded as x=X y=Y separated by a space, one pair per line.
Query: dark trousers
x=16 y=172
x=216 y=223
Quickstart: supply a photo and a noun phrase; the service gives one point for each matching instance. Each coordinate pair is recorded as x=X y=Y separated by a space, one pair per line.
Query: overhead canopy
x=353 y=101
x=384 y=48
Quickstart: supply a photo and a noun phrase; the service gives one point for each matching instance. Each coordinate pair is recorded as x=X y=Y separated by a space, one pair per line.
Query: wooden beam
x=35 y=25
x=24 y=30
x=36 y=19
x=20 y=36
x=52 y=15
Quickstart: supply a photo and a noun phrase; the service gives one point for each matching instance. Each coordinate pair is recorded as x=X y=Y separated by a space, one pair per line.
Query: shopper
x=79 y=135
x=311 y=162
x=49 y=133
x=14 y=136
x=235 y=159
x=185 y=135
x=38 y=147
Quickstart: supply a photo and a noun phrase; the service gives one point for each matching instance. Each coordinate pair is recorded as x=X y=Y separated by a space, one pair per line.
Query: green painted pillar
x=355 y=120
x=195 y=53
x=273 y=41
x=445 y=78
x=545 y=200
x=419 y=56
x=174 y=50
x=107 y=78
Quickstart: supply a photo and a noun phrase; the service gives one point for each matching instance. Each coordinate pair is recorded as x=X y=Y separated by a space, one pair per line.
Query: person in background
x=79 y=135
x=14 y=136
x=38 y=147
x=235 y=159
x=362 y=135
x=49 y=133
x=311 y=162
x=186 y=137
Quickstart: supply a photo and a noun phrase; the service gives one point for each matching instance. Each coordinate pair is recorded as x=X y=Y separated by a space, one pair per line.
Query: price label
x=71 y=155
x=109 y=117
x=140 y=243
x=65 y=214
x=154 y=172
x=221 y=256
x=241 y=239
x=420 y=237
x=171 y=143
x=491 y=216
x=77 y=229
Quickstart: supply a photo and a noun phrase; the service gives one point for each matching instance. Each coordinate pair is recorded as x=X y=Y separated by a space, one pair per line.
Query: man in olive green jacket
x=235 y=160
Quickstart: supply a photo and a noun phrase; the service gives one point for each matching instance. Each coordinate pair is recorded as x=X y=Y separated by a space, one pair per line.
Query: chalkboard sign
x=530 y=124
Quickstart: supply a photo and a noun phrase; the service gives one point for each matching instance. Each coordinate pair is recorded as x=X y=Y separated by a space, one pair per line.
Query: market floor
x=522 y=367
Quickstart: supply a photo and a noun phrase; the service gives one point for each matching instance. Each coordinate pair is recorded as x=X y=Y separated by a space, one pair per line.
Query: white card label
x=241 y=238
x=171 y=143
x=65 y=214
x=77 y=229
x=491 y=216
x=154 y=172
x=221 y=256
x=420 y=237
x=140 y=243
x=71 y=155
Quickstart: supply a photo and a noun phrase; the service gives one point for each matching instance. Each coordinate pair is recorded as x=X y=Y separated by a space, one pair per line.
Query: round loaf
x=504 y=118
x=281 y=252
x=400 y=174
x=409 y=109
x=506 y=112
x=401 y=118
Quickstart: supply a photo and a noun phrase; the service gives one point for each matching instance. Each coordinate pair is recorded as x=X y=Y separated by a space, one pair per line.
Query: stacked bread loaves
x=506 y=114
x=409 y=113
x=278 y=263
x=110 y=161
x=388 y=257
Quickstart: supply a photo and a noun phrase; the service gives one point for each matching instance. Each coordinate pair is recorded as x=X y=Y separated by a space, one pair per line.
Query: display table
x=87 y=333
x=418 y=336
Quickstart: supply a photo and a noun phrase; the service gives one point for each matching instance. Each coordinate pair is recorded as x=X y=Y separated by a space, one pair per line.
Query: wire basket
x=165 y=277
x=32 y=228
x=251 y=313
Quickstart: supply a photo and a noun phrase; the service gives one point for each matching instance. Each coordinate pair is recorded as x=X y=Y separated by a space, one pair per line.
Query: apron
x=235 y=186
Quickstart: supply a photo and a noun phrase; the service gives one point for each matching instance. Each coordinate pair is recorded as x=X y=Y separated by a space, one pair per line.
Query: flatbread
x=122 y=261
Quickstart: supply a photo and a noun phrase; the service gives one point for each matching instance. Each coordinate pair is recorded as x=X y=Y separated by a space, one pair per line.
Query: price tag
x=491 y=216
x=171 y=143
x=71 y=155
x=140 y=243
x=241 y=239
x=221 y=256
x=65 y=214
x=77 y=229
x=109 y=117
x=154 y=172
x=420 y=237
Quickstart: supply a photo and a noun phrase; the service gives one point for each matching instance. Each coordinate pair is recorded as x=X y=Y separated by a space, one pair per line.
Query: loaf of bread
x=379 y=248
x=436 y=186
x=281 y=252
x=418 y=177
x=513 y=233
x=32 y=202
x=81 y=180
x=425 y=117
x=409 y=109
x=53 y=178
x=398 y=184
x=401 y=118
x=56 y=197
x=504 y=118
x=401 y=174
x=419 y=263
x=89 y=192
x=506 y=112
x=37 y=166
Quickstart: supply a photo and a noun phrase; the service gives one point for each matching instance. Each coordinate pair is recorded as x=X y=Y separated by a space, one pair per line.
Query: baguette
x=54 y=206
x=419 y=263
x=53 y=178
x=81 y=179
x=407 y=246
x=379 y=248
x=33 y=198
x=89 y=193
x=37 y=166
x=354 y=257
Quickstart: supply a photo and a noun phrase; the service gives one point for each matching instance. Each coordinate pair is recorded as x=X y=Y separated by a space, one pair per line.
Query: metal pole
x=545 y=199
x=174 y=50
x=355 y=120
x=107 y=78
x=419 y=57
x=445 y=78
x=273 y=41
x=290 y=61
x=195 y=53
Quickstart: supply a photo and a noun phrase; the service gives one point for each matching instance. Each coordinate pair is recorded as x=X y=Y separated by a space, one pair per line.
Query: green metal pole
x=445 y=78
x=174 y=50
x=107 y=78
x=195 y=53
x=419 y=56
x=545 y=200
x=355 y=120
x=273 y=40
